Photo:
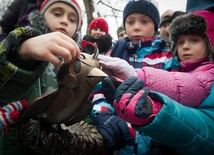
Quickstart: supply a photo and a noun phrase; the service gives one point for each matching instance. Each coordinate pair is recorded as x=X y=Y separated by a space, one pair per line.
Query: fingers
x=122 y=89
x=135 y=87
x=49 y=47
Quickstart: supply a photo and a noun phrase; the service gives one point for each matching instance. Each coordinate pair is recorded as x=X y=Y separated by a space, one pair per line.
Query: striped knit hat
x=73 y=3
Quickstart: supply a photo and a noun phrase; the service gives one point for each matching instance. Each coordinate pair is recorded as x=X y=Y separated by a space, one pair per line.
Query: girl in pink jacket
x=195 y=53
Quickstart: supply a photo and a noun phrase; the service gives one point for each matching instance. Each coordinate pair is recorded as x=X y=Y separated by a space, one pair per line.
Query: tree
x=4 y=5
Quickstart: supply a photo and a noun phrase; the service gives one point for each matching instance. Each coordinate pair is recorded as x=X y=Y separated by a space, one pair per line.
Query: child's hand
x=10 y=113
x=116 y=67
x=49 y=47
x=133 y=104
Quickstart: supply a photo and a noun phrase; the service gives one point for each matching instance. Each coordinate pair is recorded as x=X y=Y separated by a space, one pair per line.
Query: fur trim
x=38 y=22
x=187 y=24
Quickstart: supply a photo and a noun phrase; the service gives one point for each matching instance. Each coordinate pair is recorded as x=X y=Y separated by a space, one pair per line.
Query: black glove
x=109 y=85
x=114 y=130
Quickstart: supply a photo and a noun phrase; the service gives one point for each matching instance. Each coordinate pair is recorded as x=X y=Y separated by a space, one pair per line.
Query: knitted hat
x=189 y=24
x=99 y=23
x=146 y=7
x=169 y=15
x=73 y=3
x=166 y=19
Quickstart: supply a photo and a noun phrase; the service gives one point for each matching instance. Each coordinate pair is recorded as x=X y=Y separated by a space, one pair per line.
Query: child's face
x=97 y=32
x=191 y=48
x=139 y=26
x=61 y=17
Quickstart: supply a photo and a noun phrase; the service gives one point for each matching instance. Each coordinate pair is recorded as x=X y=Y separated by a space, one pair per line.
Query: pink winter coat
x=189 y=87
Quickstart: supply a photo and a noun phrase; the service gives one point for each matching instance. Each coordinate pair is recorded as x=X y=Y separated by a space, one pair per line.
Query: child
x=26 y=52
x=141 y=47
x=99 y=34
x=196 y=55
x=157 y=115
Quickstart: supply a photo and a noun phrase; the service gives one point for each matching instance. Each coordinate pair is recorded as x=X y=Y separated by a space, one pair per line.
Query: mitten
x=10 y=113
x=114 y=131
x=116 y=67
x=132 y=103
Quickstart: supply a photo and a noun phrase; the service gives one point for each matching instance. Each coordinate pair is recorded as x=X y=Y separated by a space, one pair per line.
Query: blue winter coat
x=189 y=130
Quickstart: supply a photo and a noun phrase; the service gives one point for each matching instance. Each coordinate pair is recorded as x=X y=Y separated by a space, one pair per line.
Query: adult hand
x=49 y=47
x=116 y=67
x=132 y=103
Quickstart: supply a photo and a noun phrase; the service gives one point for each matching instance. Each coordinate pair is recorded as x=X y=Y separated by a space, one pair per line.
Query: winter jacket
x=17 y=15
x=188 y=130
x=19 y=78
x=149 y=52
x=193 y=5
x=189 y=87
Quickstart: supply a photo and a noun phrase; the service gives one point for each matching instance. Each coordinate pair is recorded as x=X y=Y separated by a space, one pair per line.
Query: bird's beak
x=95 y=75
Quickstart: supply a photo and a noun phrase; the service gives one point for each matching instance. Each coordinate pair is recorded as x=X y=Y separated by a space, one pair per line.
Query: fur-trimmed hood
x=38 y=22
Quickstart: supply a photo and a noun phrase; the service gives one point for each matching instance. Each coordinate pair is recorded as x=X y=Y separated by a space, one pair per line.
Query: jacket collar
x=189 y=66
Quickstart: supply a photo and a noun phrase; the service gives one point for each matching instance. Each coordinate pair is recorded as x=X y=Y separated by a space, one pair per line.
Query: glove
x=116 y=67
x=132 y=103
x=10 y=113
x=114 y=130
x=109 y=85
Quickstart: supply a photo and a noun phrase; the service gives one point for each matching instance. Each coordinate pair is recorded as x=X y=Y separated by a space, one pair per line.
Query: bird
x=69 y=102
x=54 y=122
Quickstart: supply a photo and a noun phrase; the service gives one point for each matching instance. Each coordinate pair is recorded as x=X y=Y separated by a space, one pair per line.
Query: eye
x=77 y=67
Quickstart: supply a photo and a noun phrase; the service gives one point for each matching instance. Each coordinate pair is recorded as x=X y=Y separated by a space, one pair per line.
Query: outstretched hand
x=49 y=47
x=133 y=104
x=116 y=67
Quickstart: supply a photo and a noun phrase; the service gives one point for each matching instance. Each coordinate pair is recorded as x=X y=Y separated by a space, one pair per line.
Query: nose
x=167 y=29
x=64 y=20
x=137 y=26
x=185 y=45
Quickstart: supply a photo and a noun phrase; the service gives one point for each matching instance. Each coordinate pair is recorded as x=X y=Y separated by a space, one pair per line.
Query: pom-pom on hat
x=190 y=24
x=146 y=7
x=73 y=3
x=99 y=23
